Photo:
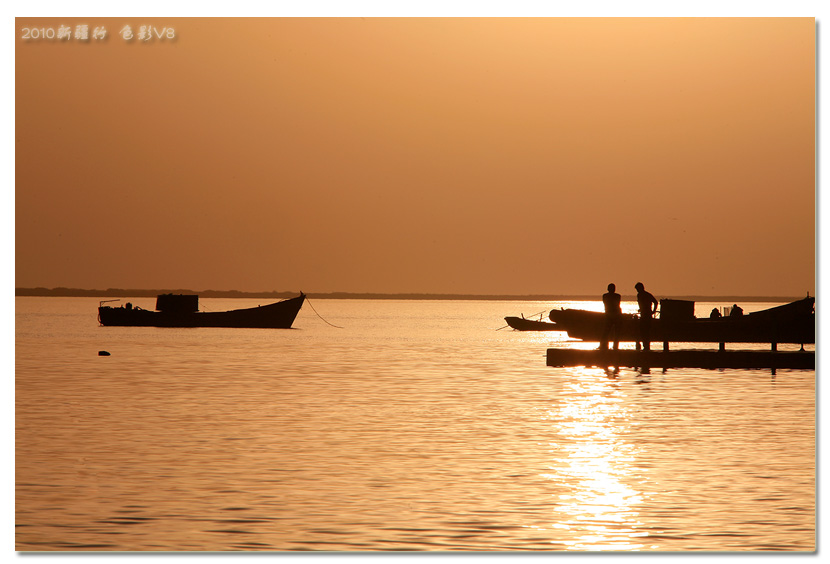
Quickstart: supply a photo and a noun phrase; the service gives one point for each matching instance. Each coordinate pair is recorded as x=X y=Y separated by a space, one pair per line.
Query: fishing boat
x=182 y=310
x=522 y=324
x=789 y=323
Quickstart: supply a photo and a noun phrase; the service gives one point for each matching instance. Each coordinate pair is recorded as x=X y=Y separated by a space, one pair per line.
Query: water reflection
x=593 y=464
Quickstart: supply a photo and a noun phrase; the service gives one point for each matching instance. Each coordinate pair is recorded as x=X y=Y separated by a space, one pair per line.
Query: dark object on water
x=182 y=311
x=103 y=353
x=790 y=323
x=522 y=324
x=683 y=359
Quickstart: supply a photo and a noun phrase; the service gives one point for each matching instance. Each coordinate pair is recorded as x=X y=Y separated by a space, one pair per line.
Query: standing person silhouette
x=645 y=300
x=613 y=317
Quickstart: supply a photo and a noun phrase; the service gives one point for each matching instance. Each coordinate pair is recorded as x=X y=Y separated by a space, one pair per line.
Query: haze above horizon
x=490 y=156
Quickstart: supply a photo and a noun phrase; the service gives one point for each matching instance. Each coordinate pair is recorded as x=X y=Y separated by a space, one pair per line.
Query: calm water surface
x=415 y=426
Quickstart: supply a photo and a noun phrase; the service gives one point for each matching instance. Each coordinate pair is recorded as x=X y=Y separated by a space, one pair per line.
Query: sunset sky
x=475 y=156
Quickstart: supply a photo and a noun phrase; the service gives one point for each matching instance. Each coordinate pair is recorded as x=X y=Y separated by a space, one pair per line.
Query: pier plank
x=561 y=357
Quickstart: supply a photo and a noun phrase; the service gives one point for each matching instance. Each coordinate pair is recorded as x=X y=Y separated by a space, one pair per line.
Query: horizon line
x=140 y=293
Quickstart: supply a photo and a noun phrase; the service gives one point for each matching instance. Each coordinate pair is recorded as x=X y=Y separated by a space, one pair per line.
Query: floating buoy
x=103 y=353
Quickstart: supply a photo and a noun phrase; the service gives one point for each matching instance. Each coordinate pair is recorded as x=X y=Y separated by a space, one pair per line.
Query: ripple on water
x=433 y=434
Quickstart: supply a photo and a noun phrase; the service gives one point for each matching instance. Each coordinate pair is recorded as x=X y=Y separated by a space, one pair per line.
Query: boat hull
x=789 y=323
x=279 y=315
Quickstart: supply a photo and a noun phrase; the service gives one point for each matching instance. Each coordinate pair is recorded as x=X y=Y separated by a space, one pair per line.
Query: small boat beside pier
x=522 y=324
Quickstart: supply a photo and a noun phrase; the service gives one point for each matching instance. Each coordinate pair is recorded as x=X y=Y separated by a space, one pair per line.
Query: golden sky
x=480 y=156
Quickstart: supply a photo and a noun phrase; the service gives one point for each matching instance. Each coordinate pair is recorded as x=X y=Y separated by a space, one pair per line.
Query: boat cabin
x=677 y=311
x=177 y=303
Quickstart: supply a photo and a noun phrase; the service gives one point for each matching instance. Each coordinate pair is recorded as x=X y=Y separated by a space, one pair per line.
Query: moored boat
x=522 y=324
x=182 y=310
x=789 y=323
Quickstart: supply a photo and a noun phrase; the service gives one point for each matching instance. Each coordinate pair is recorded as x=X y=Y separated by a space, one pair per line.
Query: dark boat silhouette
x=794 y=322
x=182 y=310
x=522 y=324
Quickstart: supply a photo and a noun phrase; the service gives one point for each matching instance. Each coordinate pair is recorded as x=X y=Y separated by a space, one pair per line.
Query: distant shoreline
x=135 y=293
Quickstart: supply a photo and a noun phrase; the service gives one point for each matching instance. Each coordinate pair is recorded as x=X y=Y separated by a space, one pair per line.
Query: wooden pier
x=774 y=359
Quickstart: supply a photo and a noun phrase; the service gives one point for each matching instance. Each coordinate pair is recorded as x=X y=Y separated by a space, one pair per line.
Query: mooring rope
x=318 y=315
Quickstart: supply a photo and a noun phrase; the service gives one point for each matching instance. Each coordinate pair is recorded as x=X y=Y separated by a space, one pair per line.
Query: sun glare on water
x=595 y=463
